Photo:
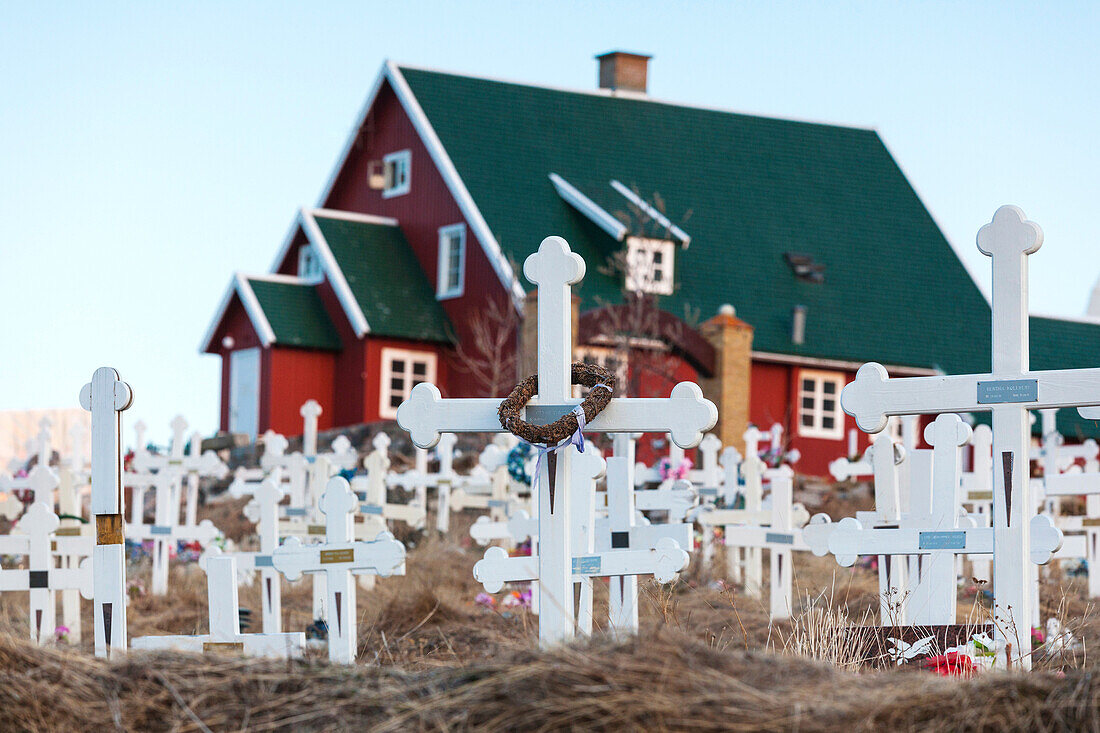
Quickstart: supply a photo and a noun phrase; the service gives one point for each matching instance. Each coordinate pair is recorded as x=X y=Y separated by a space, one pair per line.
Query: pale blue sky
x=147 y=150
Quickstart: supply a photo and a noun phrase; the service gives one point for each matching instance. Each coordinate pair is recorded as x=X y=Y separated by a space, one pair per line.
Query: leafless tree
x=491 y=355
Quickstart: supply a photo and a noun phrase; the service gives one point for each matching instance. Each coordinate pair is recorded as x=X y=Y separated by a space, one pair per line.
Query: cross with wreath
x=549 y=420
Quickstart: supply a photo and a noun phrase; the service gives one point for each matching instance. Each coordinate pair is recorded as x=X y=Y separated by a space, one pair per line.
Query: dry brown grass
x=431 y=658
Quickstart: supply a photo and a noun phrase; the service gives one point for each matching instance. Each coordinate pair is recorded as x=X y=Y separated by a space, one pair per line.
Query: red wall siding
x=774 y=400
x=235 y=324
x=421 y=212
x=298 y=375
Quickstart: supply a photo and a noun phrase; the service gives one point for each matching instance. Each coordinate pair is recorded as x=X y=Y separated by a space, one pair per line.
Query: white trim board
x=588 y=208
x=238 y=284
x=652 y=212
x=813 y=361
x=478 y=226
x=333 y=272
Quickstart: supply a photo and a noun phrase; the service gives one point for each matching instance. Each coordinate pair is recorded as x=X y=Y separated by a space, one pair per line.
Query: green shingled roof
x=296 y=314
x=386 y=280
x=746 y=190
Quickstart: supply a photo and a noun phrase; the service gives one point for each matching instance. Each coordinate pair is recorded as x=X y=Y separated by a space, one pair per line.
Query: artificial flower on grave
x=675 y=473
x=517 y=463
x=61 y=634
x=517 y=599
x=1038 y=638
x=135 y=588
x=523 y=549
x=485 y=599
x=949 y=664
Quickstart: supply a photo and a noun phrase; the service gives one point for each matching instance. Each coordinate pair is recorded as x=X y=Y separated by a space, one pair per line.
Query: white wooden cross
x=263 y=511
x=622 y=530
x=338 y=557
x=932 y=529
x=310 y=411
x=1009 y=391
x=166 y=531
x=41 y=577
x=781 y=537
x=375 y=508
x=225 y=623
x=106 y=396
x=686 y=415
x=977 y=493
x=40 y=482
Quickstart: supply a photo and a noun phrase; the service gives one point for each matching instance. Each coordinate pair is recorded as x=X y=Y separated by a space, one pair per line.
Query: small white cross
x=338 y=557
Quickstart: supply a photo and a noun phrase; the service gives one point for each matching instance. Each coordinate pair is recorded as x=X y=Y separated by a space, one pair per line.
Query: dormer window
x=451 y=272
x=397 y=169
x=309 y=264
x=649 y=265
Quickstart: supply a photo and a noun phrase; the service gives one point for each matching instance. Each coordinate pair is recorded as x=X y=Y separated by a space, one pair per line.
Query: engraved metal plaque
x=371 y=509
x=68 y=531
x=160 y=529
x=588 y=565
x=295 y=511
x=330 y=556
x=778 y=538
x=708 y=491
x=318 y=529
x=222 y=646
x=546 y=414
x=1008 y=390
x=980 y=496
x=942 y=540
x=263 y=561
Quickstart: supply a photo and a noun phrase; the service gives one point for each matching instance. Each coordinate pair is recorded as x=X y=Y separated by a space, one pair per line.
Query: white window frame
x=446 y=236
x=817 y=411
x=307 y=255
x=640 y=266
x=400 y=159
x=387 y=390
x=602 y=355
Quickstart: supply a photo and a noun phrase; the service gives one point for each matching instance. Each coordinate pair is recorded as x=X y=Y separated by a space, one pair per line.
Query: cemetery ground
x=431 y=657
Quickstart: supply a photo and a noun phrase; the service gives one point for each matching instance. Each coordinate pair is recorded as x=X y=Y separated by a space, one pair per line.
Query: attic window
x=397 y=171
x=804 y=267
x=309 y=264
x=649 y=265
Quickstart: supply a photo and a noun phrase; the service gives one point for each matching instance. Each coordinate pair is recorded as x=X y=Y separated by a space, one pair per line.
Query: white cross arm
x=686 y=415
x=726 y=517
x=1069 y=484
x=663 y=562
x=874 y=396
x=382 y=556
x=850 y=540
x=765 y=537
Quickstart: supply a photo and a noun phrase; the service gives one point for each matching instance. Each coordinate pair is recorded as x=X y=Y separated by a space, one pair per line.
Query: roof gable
x=382 y=274
x=296 y=314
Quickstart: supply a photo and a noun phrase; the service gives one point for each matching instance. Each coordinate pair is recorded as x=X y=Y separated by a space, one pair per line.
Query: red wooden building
x=447 y=182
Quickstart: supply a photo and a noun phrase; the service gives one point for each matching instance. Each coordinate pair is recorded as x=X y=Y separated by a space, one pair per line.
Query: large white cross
x=41 y=577
x=1009 y=391
x=338 y=557
x=225 y=623
x=686 y=415
x=263 y=510
x=106 y=396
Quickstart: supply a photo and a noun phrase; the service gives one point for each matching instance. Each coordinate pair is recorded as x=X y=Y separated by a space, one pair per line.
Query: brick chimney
x=729 y=388
x=623 y=71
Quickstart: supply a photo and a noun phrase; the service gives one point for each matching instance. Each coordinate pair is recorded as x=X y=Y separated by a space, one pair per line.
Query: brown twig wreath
x=588 y=375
